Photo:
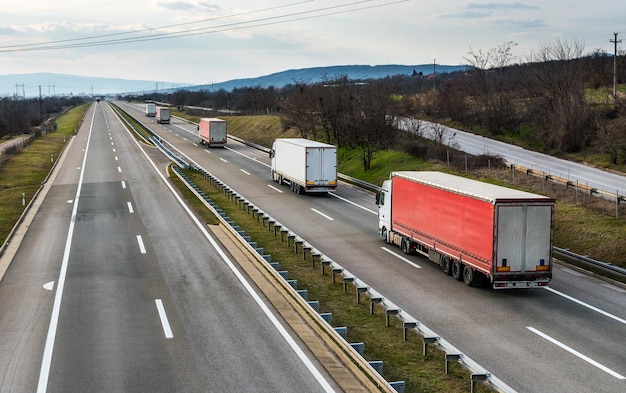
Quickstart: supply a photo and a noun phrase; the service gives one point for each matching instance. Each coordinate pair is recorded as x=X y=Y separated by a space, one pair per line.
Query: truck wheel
x=384 y=233
x=404 y=246
x=446 y=266
x=468 y=276
x=457 y=270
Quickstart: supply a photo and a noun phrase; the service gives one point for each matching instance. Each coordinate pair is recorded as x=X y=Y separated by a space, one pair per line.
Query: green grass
x=403 y=360
x=24 y=172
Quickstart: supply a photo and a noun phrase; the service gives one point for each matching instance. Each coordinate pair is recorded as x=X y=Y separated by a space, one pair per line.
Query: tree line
x=557 y=99
x=22 y=115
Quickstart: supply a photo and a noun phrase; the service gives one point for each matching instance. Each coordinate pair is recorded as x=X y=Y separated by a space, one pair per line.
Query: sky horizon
x=210 y=41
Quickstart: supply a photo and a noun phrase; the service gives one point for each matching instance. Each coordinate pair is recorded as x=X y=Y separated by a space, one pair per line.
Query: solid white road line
x=589 y=306
x=46 y=361
x=167 y=330
x=576 y=353
x=400 y=257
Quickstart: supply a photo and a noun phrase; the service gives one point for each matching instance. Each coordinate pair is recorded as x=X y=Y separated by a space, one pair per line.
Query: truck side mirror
x=378 y=198
x=271 y=153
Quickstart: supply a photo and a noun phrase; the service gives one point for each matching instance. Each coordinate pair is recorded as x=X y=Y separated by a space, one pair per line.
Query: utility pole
x=434 y=74
x=615 y=41
x=40 y=106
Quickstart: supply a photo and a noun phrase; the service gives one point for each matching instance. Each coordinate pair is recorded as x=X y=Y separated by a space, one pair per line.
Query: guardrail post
x=269 y=224
x=325 y=263
x=327 y=316
x=347 y=280
x=359 y=347
x=289 y=239
x=429 y=340
x=297 y=243
x=373 y=301
x=398 y=386
x=451 y=357
x=265 y=218
x=313 y=258
x=283 y=232
x=277 y=229
x=478 y=377
x=407 y=326
x=359 y=291
x=336 y=270
x=304 y=251
x=390 y=312
x=377 y=365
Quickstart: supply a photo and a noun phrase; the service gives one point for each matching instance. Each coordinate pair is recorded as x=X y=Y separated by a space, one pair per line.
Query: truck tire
x=446 y=265
x=384 y=234
x=404 y=245
x=457 y=270
x=469 y=276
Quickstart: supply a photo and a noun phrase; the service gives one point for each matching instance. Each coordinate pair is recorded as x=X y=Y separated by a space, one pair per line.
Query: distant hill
x=319 y=74
x=61 y=84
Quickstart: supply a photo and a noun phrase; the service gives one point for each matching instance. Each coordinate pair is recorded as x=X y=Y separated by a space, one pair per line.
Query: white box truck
x=212 y=131
x=150 y=109
x=307 y=166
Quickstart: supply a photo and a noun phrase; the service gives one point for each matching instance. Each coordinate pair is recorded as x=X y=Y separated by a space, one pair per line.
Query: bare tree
x=490 y=88
x=556 y=85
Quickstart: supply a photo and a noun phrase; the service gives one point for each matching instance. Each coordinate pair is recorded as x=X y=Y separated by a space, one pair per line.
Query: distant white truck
x=150 y=109
x=212 y=131
x=163 y=115
x=307 y=166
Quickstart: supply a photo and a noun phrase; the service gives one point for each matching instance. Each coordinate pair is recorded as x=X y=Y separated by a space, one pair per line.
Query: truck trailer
x=162 y=115
x=477 y=232
x=150 y=109
x=307 y=166
x=212 y=131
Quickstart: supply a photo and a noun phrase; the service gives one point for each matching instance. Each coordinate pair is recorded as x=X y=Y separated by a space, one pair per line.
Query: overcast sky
x=204 y=41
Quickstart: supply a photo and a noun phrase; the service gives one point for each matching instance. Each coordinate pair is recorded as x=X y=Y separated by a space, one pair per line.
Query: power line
x=260 y=22
x=154 y=28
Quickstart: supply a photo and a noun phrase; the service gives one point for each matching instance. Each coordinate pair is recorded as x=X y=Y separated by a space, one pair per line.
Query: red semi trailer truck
x=477 y=232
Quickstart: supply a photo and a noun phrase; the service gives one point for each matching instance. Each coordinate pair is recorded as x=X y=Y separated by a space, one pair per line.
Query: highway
x=566 y=338
x=116 y=288
x=576 y=173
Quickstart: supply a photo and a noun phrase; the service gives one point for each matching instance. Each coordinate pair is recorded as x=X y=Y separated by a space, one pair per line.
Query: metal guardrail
x=590 y=261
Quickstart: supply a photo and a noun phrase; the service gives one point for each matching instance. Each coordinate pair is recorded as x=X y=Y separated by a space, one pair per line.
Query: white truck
x=212 y=131
x=150 y=109
x=307 y=166
x=163 y=115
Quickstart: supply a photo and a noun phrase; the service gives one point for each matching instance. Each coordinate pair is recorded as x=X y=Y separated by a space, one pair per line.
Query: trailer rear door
x=524 y=238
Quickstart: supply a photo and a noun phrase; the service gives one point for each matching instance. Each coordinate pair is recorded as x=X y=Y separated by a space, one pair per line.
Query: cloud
x=499 y=14
x=194 y=6
x=501 y=6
